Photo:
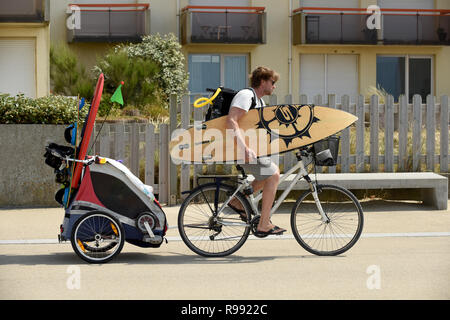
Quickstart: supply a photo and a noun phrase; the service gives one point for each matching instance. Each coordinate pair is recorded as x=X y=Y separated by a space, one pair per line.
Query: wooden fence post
x=389 y=134
x=173 y=177
x=185 y=168
x=374 y=129
x=403 y=133
x=119 y=141
x=360 y=133
x=273 y=99
x=163 y=163
x=431 y=132
x=444 y=134
x=105 y=141
x=303 y=99
x=134 y=149
x=345 y=151
x=150 y=147
x=331 y=104
x=417 y=130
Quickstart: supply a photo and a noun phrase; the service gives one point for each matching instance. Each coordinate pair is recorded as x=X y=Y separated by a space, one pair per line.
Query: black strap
x=254 y=99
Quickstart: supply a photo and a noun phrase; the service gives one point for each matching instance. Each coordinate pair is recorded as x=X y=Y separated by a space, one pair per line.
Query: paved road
x=404 y=253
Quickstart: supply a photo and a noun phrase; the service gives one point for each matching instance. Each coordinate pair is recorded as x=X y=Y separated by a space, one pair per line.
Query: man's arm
x=232 y=123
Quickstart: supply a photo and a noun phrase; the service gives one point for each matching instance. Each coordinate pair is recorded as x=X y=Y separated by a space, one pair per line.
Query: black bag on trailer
x=222 y=103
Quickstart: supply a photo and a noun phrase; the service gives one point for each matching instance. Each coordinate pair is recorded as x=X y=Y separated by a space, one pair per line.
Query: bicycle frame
x=302 y=173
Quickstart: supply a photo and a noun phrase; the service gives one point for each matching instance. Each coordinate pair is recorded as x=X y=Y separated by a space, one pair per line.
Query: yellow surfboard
x=268 y=130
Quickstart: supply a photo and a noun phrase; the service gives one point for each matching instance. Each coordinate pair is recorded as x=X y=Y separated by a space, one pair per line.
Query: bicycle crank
x=253 y=227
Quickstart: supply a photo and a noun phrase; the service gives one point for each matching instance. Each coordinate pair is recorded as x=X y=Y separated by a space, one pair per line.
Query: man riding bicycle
x=266 y=173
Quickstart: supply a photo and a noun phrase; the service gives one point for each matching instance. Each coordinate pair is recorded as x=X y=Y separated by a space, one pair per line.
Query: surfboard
x=87 y=131
x=268 y=130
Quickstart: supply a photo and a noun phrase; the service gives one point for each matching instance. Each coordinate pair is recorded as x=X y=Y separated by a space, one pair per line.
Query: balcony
x=24 y=11
x=416 y=27
x=108 y=22
x=218 y=24
x=349 y=26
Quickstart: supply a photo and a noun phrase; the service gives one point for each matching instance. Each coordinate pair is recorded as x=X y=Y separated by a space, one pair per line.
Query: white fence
x=388 y=137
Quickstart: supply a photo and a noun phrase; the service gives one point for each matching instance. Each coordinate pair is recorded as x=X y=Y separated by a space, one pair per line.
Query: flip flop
x=274 y=231
x=241 y=212
x=278 y=228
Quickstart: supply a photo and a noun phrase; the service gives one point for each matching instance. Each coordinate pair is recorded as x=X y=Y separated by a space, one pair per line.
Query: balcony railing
x=349 y=26
x=24 y=11
x=108 y=22
x=219 y=24
x=416 y=26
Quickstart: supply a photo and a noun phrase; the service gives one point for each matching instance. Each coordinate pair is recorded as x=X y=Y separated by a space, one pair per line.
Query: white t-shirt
x=243 y=100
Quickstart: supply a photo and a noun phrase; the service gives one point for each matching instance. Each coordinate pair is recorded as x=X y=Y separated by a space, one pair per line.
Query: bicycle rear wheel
x=97 y=237
x=334 y=236
x=203 y=230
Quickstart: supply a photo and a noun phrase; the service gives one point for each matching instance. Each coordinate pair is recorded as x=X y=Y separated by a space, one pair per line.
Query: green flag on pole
x=117 y=96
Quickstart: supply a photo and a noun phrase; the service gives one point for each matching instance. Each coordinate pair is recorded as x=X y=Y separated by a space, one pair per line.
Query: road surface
x=403 y=253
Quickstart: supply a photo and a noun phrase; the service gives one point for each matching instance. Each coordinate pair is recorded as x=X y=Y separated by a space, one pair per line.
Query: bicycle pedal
x=260 y=235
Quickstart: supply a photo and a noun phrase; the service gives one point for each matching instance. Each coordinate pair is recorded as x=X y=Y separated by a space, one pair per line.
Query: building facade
x=319 y=47
x=24 y=47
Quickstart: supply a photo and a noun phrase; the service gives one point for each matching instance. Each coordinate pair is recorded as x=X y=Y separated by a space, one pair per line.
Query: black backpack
x=222 y=103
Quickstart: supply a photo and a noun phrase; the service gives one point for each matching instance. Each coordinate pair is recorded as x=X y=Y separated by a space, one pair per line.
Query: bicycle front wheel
x=205 y=230
x=338 y=232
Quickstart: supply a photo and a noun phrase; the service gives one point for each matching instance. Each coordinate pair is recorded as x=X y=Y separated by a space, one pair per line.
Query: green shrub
x=140 y=88
x=166 y=52
x=152 y=70
x=51 y=109
x=67 y=76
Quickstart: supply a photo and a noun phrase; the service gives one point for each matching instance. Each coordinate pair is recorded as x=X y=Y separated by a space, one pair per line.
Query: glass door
x=235 y=72
x=214 y=70
x=419 y=77
x=407 y=75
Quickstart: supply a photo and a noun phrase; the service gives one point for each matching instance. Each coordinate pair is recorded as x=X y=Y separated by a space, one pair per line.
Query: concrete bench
x=434 y=187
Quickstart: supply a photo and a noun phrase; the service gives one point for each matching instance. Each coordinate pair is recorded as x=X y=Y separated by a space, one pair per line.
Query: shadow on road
x=178 y=258
x=380 y=205
x=59 y=258
x=136 y=258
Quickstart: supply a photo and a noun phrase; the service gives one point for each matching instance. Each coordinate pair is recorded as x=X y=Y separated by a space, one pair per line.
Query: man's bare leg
x=269 y=186
x=256 y=185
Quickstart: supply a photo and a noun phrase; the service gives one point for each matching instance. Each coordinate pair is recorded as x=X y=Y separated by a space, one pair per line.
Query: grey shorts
x=264 y=169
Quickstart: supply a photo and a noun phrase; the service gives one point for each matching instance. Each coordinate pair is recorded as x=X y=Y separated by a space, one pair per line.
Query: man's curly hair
x=262 y=73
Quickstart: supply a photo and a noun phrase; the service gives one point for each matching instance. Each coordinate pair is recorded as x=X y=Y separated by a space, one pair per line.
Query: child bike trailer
x=105 y=204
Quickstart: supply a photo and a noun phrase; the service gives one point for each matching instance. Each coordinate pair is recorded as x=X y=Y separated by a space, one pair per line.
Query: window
x=419 y=77
x=407 y=75
x=17 y=67
x=214 y=70
x=323 y=74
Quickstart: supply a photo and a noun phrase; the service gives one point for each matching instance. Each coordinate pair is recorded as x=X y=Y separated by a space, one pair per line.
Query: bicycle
x=326 y=220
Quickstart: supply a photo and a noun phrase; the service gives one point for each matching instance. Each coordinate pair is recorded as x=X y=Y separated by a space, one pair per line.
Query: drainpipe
x=290 y=49
x=178 y=19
